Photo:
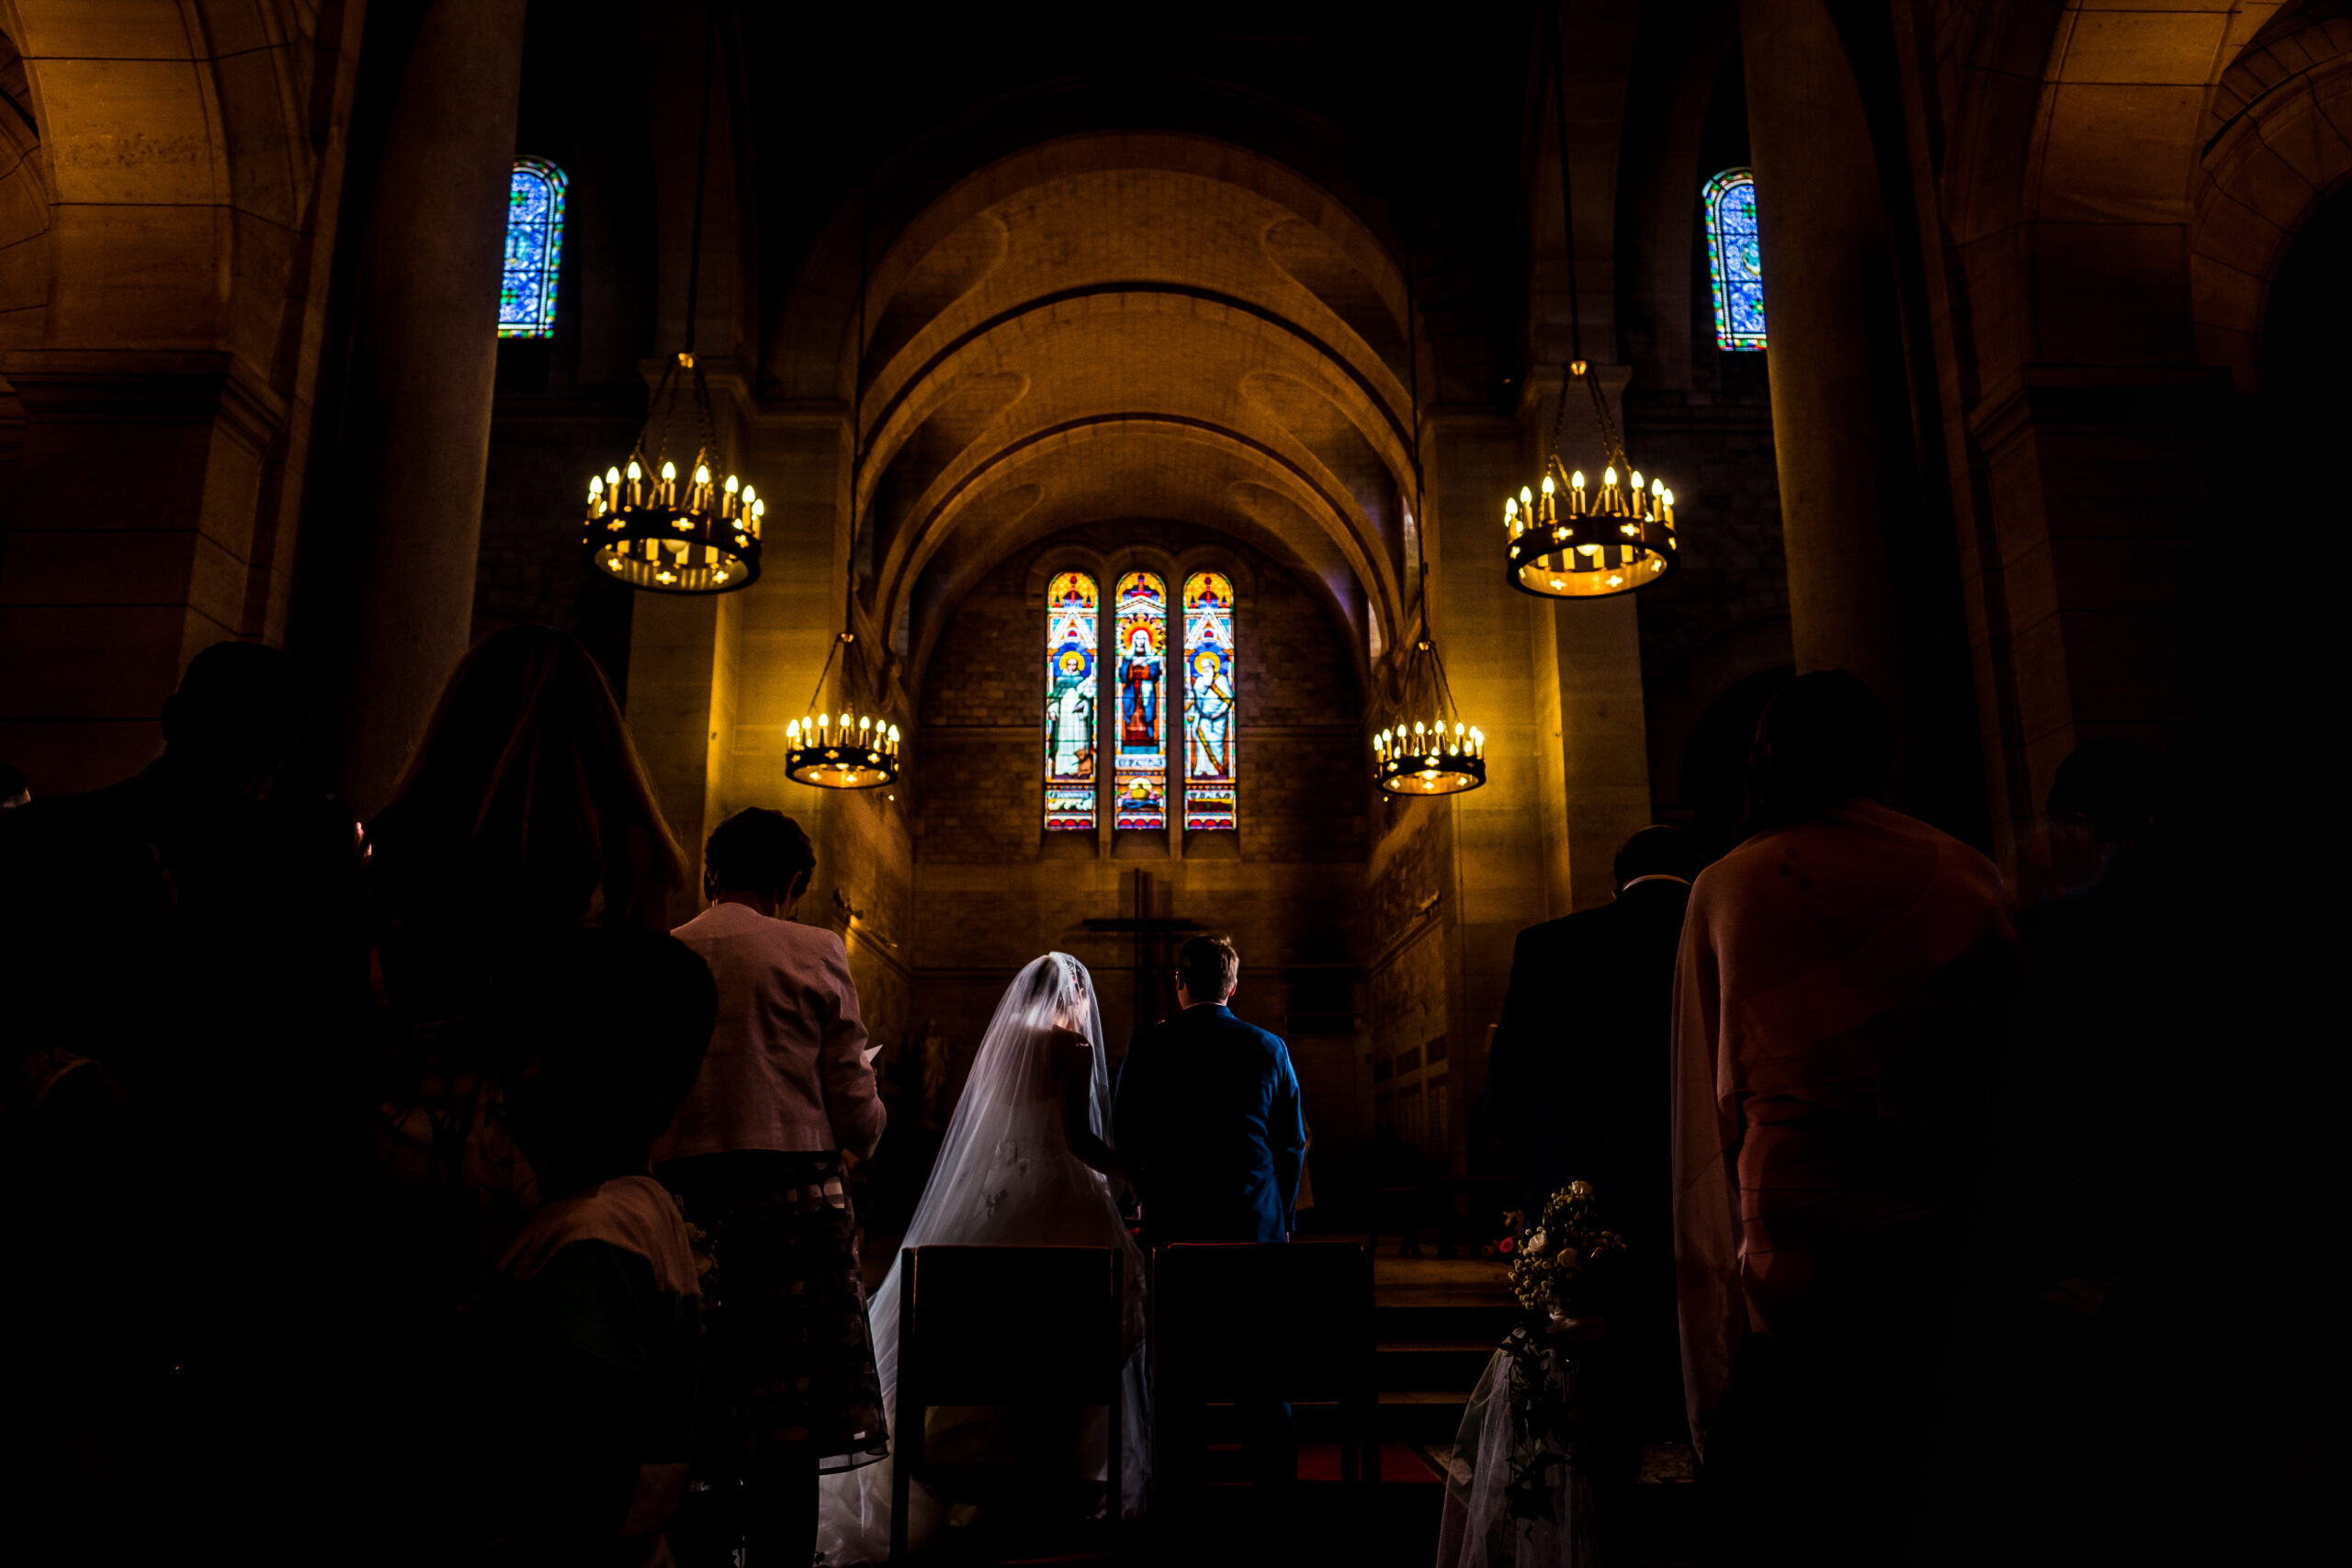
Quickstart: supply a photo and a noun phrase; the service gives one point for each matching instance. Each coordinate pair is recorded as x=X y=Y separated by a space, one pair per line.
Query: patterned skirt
x=787 y=1361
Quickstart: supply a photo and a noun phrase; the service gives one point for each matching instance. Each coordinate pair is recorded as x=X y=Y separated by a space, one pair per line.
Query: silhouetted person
x=196 y=938
x=523 y=816
x=1840 y=1000
x=2060 y=1453
x=759 y=1151
x=1579 y=1080
x=586 y=1409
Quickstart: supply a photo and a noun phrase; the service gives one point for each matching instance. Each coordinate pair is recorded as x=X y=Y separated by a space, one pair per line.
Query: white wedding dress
x=1005 y=1176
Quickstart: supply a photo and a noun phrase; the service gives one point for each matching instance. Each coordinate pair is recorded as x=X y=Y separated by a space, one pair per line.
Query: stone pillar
x=1592 y=731
x=1841 y=408
x=425 y=358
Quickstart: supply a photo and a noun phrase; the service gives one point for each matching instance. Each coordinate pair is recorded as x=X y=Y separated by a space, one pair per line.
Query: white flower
x=1536 y=1245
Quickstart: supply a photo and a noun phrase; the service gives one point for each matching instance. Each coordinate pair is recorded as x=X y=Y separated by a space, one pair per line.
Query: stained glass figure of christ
x=533 y=247
x=1208 y=701
x=1735 y=260
x=1073 y=607
x=1140 y=769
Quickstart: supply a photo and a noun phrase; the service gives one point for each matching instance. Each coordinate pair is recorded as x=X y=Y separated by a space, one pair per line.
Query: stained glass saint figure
x=1209 y=761
x=1140 y=778
x=533 y=247
x=1735 y=260
x=1072 y=617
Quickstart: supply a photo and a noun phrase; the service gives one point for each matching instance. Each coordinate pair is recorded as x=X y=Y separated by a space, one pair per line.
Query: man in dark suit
x=1207 y=1116
x=1580 y=1083
x=1207 y=1122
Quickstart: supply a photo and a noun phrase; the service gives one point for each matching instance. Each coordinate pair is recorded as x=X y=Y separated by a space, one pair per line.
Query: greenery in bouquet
x=1551 y=1262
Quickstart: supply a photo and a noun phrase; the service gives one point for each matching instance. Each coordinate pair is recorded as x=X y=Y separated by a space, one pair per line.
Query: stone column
x=425 y=358
x=1840 y=416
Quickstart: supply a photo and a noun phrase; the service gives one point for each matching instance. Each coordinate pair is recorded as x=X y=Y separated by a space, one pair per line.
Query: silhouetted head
x=526 y=786
x=762 y=853
x=2111 y=787
x=236 y=714
x=1207 y=970
x=1825 y=741
x=607 y=1035
x=1657 y=851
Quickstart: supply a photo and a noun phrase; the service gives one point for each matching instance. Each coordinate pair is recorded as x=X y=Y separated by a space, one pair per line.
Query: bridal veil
x=1004 y=1177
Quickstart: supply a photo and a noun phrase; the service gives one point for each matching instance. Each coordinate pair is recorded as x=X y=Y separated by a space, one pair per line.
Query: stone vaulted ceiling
x=1134 y=326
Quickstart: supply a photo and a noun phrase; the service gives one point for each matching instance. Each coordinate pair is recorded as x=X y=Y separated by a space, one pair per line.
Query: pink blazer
x=787 y=1069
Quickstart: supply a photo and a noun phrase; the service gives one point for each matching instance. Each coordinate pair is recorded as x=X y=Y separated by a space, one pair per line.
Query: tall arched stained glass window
x=1073 y=615
x=534 y=246
x=1139 y=775
x=1735 y=261
x=1208 y=701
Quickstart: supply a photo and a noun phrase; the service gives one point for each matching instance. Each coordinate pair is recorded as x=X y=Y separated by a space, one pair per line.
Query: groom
x=1207 y=1122
x=1207 y=1116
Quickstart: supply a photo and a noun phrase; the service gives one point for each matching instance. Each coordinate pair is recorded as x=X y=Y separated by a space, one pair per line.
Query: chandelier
x=1433 y=757
x=645 y=527
x=1567 y=543
x=840 y=750
x=1561 y=542
x=654 y=531
x=848 y=750
x=1429 y=748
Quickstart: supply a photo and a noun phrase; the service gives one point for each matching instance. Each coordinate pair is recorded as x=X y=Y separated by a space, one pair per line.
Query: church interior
x=1143 y=419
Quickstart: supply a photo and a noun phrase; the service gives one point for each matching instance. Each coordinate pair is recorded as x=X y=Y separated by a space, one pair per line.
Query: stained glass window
x=1140 y=769
x=1735 y=261
x=1208 y=701
x=1073 y=615
x=534 y=245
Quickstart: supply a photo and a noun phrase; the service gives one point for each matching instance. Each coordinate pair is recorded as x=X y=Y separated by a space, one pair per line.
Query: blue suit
x=1206 y=1121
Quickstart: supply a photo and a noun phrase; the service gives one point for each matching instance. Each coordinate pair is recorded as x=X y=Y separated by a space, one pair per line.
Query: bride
x=1024 y=1164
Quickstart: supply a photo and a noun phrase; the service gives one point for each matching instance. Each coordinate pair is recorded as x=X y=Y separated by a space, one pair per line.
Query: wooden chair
x=1022 y=1327
x=1244 y=1322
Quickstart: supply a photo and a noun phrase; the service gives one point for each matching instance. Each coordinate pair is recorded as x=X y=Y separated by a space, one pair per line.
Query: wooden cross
x=1150 y=934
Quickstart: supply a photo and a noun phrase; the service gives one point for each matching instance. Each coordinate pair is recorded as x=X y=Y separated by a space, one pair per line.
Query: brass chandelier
x=849 y=749
x=645 y=526
x=1429 y=748
x=845 y=749
x=1560 y=541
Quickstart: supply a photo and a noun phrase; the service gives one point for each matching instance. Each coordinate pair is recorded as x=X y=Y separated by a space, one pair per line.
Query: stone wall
x=992 y=890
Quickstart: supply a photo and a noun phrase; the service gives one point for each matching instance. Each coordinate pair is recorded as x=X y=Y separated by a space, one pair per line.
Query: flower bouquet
x=1514 y=1492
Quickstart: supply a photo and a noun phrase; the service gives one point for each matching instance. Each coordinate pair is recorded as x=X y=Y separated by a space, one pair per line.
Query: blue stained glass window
x=534 y=246
x=1209 y=757
x=1735 y=260
x=1073 y=616
x=1139 y=773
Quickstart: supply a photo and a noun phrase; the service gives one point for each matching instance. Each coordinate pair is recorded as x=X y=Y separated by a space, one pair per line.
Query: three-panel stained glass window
x=534 y=249
x=1735 y=260
x=1145 y=694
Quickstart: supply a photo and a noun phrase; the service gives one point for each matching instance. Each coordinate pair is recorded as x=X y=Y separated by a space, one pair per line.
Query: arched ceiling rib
x=1110 y=320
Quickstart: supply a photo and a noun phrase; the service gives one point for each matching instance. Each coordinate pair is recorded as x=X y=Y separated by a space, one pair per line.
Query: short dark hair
x=760 y=851
x=1657 y=849
x=613 y=1027
x=1209 y=967
x=1825 y=740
